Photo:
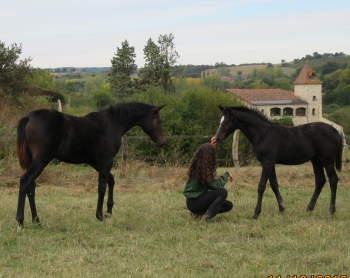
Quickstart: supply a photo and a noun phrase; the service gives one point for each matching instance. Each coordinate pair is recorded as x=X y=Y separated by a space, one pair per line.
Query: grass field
x=151 y=233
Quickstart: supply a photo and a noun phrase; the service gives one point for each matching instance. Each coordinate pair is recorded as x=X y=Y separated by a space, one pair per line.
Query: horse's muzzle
x=160 y=144
x=219 y=140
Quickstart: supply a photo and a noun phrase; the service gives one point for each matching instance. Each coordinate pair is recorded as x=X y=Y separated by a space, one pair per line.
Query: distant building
x=304 y=105
x=226 y=78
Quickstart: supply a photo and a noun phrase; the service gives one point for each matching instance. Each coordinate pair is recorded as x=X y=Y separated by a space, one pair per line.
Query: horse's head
x=153 y=127
x=228 y=124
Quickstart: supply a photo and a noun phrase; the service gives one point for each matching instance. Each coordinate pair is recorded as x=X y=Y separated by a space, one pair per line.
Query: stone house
x=304 y=105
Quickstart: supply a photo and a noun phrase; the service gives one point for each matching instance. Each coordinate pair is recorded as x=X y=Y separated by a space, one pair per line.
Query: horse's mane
x=123 y=110
x=253 y=111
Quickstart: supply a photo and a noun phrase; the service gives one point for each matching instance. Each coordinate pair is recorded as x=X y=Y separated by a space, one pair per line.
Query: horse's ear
x=229 y=111
x=221 y=108
x=156 y=110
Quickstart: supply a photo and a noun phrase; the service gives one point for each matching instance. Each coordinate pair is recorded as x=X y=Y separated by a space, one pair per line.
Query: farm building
x=304 y=105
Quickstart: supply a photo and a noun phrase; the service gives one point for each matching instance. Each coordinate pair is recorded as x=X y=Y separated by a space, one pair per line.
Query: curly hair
x=203 y=164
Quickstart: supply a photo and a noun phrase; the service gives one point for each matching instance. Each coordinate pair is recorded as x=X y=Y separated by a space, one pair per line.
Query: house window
x=275 y=112
x=300 y=111
x=314 y=98
x=288 y=112
x=313 y=112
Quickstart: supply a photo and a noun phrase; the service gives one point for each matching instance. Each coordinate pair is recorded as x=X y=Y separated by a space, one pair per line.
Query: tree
x=152 y=72
x=167 y=50
x=42 y=79
x=224 y=71
x=14 y=73
x=123 y=64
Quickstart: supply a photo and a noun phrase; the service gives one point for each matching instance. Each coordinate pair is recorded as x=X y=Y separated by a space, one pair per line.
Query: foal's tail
x=24 y=156
x=338 y=159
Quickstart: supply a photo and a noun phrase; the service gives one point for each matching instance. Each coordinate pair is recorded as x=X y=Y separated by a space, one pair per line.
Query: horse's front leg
x=261 y=188
x=110 y=201
x=274 y=186
x=102 y=185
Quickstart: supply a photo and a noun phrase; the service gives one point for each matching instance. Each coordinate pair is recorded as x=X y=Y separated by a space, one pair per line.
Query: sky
x=86 y=33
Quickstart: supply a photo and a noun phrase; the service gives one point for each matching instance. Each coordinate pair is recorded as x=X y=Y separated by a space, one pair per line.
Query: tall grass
x=151 y=233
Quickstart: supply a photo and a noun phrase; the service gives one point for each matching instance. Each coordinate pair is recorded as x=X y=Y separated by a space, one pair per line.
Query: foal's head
x=152 y=126
x=228 y=124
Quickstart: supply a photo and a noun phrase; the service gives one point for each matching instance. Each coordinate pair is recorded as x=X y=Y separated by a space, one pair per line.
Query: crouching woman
x=206 y=195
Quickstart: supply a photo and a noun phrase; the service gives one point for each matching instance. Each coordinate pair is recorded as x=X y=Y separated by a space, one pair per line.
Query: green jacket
x=194 y=189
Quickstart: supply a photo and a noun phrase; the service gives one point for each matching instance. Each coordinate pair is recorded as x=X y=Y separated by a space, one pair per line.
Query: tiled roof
x=266 y=96
x=307 y=76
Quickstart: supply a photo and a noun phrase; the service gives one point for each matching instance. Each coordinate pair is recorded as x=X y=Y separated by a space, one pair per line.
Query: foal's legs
x=333 y=182
x=274 y=186
x=261 y=187
x=103 y=177
x=110 y=201
x=27 y=187
x=320 y=181
x=31 y=198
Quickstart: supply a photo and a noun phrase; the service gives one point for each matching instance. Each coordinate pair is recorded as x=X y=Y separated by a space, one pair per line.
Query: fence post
x=59 y=105
x=235 y=149
x=124 y=151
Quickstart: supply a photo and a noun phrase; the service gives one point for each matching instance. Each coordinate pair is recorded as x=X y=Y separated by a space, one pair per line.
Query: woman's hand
x=213 y=141
x=231 y=177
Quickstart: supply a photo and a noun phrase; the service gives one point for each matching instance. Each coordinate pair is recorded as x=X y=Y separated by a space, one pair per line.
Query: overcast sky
x=86 y=33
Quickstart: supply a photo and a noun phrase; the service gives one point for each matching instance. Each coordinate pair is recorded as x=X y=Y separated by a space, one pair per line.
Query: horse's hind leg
x=320 y=181
x=274 y=186
x=31 y=198
x=27 y=187
x=333 y=182
x=110 y=201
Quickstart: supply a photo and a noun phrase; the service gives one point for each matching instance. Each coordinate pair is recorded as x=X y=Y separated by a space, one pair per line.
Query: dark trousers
x=200 y=205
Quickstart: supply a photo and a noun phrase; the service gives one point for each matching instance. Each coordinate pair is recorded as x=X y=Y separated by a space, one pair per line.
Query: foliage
x=14 y=73
x=213 y=82
x=43 y=79
x=152 y=71
x=192 y=71
x=285 y=121
x=123 y=64
x=159 y=63
x=342 y=118
x=103 y=97
x=330 y=108
x=224 y=71
x=167 y=49
x=184 y=114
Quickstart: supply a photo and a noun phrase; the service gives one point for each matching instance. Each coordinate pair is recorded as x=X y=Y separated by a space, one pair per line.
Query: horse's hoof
x=255 y=216
x=309 y=208
x=19 y=227
x=281 y=213
x=36 y=221
x=108 y=215
x=99 y=217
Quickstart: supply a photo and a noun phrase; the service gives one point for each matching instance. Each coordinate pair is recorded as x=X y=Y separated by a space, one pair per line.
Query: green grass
x=151 y=233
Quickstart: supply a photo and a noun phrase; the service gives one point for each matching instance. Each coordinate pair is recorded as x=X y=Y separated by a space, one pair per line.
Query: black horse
x=93 y=139
x=276 y=144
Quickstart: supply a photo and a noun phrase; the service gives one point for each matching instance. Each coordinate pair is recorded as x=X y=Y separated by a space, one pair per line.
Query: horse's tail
x=338 y=159
x=24 y=156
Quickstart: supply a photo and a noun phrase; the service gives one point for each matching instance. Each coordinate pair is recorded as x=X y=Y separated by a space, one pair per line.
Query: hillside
x=247 y=70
